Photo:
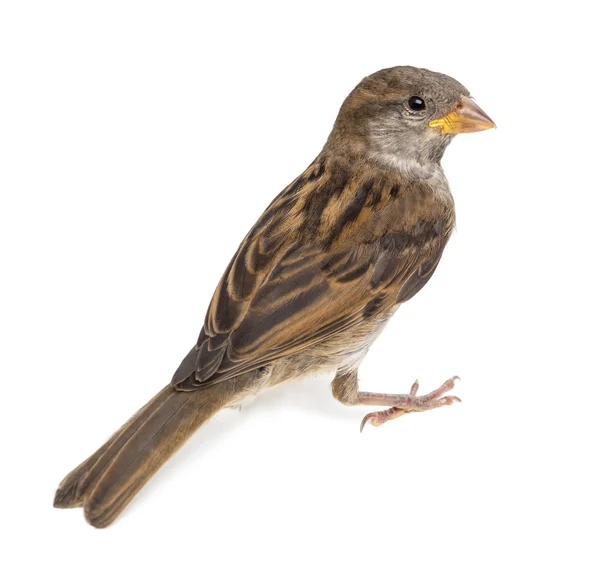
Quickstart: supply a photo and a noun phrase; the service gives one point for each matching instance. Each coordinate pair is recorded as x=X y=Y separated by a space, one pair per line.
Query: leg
x=345 y=389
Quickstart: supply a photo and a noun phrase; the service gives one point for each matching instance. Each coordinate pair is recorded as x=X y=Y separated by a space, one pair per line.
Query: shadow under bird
x=314 y=282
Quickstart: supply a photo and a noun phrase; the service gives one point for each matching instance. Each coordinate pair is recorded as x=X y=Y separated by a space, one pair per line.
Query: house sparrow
x=314 y=282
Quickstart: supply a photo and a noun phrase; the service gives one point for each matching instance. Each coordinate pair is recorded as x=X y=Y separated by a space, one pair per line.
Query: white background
x=139 y=143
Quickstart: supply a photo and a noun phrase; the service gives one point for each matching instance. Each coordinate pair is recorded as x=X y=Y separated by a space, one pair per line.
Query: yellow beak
x=466 y=117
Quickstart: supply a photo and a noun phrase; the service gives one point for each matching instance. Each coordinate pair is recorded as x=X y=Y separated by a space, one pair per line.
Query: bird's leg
x=345 y=389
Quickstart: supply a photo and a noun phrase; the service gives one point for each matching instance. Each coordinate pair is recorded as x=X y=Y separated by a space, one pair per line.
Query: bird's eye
x=416 y=104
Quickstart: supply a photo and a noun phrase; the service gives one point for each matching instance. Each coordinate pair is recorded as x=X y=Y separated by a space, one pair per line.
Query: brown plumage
x=359 y=232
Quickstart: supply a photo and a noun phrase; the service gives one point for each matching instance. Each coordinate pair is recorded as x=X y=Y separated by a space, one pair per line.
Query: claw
x=364 y=420
x=452 y=399
x=414 y=388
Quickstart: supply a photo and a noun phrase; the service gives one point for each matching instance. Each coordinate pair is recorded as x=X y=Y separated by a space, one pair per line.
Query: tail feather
x=107 y=481
x=72 y=488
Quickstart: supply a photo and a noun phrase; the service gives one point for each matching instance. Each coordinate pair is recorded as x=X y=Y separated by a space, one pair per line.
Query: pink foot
x=403 y=404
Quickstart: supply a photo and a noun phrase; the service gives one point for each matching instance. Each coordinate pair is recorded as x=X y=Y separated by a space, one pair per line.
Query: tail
x=107 y=481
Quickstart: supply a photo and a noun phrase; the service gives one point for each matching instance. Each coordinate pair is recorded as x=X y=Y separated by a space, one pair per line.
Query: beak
x=466 y=117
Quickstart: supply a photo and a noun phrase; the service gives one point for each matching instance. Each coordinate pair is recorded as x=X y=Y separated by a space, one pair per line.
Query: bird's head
x=405 y=114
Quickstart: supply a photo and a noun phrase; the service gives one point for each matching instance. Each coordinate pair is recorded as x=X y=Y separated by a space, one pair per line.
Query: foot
x=403 y=404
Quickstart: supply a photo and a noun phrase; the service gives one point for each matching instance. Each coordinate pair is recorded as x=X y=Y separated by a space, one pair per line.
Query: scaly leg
x=345 y=389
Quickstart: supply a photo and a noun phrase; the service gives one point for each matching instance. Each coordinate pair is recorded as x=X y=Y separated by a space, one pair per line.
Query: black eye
x=416 y=104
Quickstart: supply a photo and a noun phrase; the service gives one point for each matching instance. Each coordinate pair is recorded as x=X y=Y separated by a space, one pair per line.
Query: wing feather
x=297 y=280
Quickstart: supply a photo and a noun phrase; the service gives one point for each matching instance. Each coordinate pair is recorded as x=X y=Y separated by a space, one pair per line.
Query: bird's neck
x=407 y=166
x=428 y=173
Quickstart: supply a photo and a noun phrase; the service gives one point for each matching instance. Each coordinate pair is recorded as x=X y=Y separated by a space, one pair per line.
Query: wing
x=330 y=251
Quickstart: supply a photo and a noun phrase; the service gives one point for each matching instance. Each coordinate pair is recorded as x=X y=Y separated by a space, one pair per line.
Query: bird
x=313 y=283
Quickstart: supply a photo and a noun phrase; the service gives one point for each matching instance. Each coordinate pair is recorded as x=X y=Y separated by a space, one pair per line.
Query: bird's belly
x=353 y=345
x=343 y=351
